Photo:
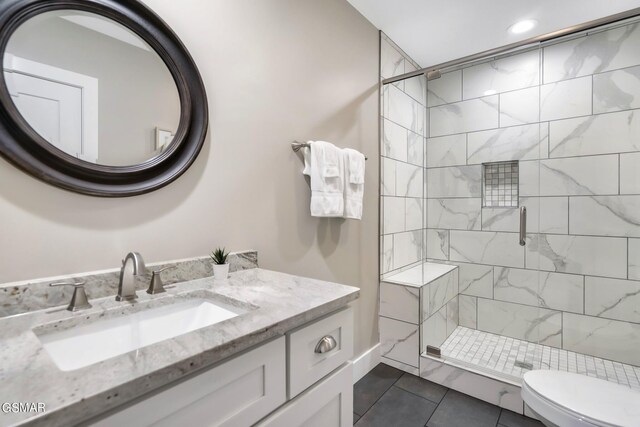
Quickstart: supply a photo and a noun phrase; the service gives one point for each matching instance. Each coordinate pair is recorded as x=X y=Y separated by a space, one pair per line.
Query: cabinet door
x=236 y=393
x=328 y=404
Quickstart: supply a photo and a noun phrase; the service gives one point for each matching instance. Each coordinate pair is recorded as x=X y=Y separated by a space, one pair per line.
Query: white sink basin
x=85 y=345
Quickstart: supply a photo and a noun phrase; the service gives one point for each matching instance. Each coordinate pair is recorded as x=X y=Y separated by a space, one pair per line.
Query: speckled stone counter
x=277 y=303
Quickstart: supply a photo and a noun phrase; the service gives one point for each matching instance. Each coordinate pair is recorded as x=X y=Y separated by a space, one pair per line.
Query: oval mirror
x=103 y=101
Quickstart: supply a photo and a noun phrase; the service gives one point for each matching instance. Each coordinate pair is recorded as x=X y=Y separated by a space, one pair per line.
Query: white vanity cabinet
x=303 y=378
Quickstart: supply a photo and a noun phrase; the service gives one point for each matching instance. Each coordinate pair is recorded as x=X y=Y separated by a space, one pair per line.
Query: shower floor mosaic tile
x=513 y=357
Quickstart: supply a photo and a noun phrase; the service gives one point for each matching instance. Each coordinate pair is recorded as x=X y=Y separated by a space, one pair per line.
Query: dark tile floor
x=388 y=397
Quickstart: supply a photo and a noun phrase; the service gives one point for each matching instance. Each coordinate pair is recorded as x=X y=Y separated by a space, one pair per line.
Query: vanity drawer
x=327 y=404
x=307 y=361
x=236 y=393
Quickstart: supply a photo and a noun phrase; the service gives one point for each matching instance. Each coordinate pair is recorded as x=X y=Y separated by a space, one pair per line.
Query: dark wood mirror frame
x=27 y=150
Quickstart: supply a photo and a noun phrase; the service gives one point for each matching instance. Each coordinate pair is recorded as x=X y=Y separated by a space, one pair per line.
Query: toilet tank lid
x=593 y=398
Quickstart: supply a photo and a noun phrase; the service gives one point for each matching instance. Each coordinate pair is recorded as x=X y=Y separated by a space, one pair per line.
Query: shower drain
x=524 y=365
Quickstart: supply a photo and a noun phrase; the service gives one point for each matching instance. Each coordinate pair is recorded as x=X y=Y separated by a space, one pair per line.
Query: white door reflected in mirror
x=92 y=88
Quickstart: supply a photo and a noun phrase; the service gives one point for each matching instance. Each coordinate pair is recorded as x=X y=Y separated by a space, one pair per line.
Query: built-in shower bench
x=418 y=307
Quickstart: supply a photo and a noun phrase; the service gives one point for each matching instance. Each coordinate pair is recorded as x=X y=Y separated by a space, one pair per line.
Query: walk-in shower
x=553 y=127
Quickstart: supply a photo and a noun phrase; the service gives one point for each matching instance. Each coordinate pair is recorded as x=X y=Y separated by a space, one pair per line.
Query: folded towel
x=324 y=164
x=354 y=164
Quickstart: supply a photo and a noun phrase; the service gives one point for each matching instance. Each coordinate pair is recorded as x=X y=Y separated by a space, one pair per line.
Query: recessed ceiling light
x=490 y=92
x=523 y=26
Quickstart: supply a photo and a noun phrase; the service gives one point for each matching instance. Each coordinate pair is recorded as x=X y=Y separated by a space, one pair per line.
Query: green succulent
x=219 y=256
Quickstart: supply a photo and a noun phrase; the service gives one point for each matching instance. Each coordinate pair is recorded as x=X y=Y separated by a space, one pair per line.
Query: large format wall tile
x=475 y=279
x=415 y=148
x=605 y=51
x=434 y=329
x=394 y=141
x=465 y=116
x=399 y=341
x=599 y=134
x=393 y=214
x=553 y=213
x=610 y=339
x=569 y=98
x=616 y=90
x=391 y=60
x=503 y=219
x=407 y=248
x=453 y=315
x=529 y=182
x=387 y=253
x=605 y=215
x=513 y=143
x=630 y=173
x=413 y=214
x=400 y=302
x=415 y=87
x=468 y=313
x=388 y=177
x=447 y=151
x=445 y=90
x=544 y=215
x=520 y=107
x=542 y=289
x=579 y=176
x=596 y=256
x=612 y=298
x=404 y=110
x=634 y=259
x=409 y=180
x=486 y=248
x=510 y=73
x=454 y=181
x=520 y=321
x=462 y=214
x=438 y=244
x=441 y=291
x=482 y=387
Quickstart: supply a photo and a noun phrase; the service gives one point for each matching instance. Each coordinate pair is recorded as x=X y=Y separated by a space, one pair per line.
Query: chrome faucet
x=132 y=265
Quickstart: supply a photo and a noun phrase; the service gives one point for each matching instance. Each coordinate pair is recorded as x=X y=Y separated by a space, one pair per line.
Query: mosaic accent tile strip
x=507 y=356
x=500 y=185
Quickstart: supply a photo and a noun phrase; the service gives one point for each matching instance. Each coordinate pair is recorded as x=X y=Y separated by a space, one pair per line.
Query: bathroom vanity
x=261 y=348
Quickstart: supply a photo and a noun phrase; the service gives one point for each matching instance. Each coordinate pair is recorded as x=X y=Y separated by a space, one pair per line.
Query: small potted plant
x=220 y=264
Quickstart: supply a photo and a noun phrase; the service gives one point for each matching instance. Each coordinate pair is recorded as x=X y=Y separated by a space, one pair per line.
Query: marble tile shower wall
x=570 y=114
x=403 y=139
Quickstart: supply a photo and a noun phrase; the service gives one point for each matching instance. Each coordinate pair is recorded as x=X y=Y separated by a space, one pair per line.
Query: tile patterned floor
x=500 y=354
x=388 y=397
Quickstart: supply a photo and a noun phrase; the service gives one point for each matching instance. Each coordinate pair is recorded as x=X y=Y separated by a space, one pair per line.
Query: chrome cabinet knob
x=326 y=344
x=79 y=300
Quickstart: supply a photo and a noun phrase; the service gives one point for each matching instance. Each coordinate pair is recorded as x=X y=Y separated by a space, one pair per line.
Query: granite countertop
x=276 y=303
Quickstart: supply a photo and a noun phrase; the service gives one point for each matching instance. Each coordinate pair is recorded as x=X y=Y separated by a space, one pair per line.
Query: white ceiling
x=432 y=32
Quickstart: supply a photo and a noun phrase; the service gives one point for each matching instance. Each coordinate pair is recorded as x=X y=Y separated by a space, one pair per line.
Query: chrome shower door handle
x=523 y=226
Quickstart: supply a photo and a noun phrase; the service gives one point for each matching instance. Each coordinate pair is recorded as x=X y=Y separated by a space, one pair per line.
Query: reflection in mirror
x=92 y=88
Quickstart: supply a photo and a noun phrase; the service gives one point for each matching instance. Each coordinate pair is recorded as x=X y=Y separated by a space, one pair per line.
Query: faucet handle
x=79 y=298
x=74 y=284
x=156 y=286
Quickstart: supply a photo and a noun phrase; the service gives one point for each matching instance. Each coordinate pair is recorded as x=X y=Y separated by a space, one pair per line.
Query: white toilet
x=564 y=399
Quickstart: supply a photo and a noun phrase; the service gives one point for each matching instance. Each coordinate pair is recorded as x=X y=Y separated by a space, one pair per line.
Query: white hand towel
x=354 y=162
x=324 y=164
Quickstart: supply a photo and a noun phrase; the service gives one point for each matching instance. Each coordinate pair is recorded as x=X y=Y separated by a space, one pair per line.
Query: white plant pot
x=220 y=271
